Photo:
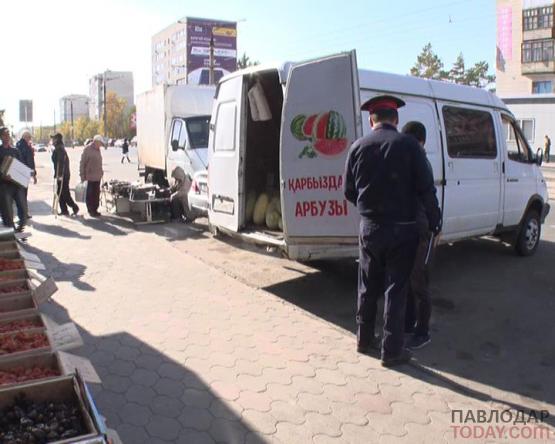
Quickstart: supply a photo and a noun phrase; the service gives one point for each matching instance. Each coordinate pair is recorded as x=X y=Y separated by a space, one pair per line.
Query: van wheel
x=528 y=237
x=214 y=231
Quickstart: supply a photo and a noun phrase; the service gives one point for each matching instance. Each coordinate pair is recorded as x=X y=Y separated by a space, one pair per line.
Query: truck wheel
x=528 y=237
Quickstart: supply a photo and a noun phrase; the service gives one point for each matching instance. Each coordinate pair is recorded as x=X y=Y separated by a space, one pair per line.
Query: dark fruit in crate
x=23 y=324
x=11 y=264
x=13 y=289
x=16 y=342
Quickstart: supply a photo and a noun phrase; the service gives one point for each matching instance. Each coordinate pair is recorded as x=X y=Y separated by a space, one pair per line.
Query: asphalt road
x=492 y=324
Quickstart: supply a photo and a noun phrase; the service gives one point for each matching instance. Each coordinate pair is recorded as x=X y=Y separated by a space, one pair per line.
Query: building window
x=543 y=87
x=537 y=18
x=527 y=127
x=537 y=51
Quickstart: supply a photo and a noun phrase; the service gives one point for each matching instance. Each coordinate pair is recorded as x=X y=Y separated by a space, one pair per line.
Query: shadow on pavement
x=39 y=207
x=108 y=225
x=58 y=230
x=149 y=398
x=492 y=321
x=60 y=271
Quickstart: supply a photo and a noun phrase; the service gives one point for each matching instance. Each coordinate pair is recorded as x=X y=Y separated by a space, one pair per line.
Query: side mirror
x=175 y=145
x=539 y=157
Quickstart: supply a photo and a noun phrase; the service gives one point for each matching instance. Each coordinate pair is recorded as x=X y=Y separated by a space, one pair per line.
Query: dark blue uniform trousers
x=386 y=260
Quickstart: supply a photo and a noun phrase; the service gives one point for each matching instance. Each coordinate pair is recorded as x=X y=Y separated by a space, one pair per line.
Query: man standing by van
x=547 y=148
x=385 y=175
x=91 y=171
x=419 y=301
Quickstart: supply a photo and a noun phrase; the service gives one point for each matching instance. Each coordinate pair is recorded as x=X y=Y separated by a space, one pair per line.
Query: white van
x=289 y=129
x=172 y=129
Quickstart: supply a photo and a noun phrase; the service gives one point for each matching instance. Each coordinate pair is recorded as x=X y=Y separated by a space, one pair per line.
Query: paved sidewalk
x=188 y=354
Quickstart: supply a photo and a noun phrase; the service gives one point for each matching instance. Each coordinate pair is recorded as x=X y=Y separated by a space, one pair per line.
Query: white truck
x=172 y=129
x=287 y=130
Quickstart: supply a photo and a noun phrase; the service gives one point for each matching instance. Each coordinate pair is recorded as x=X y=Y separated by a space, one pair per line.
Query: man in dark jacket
x=386 y=174
x=60 y=160
x=27 y=155
x=11 y=192
x=125 y=151
x=419 y=302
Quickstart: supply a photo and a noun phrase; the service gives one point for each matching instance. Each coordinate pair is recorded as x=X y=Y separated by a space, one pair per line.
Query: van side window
x=470 y=133
x=225 y=127
x=517 y=148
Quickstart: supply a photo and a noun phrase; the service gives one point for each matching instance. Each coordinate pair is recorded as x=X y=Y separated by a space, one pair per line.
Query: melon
x=272 y=219
x=297 y=127
x=329 y=134
x=330 y=147
x=260 y=207
x=309 y=125
x=251 y=202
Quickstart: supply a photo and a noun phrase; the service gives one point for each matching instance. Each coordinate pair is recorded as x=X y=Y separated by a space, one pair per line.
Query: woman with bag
x=61 y=174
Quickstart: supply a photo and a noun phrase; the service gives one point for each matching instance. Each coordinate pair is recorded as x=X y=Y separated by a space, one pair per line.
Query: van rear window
x=470 y=133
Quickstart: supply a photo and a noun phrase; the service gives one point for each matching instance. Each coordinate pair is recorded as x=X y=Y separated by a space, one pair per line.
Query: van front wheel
x=528 y=237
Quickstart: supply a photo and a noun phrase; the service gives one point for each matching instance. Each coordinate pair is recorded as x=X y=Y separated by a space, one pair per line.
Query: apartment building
x=73 y=106
x=119 y=82
x=525 y=65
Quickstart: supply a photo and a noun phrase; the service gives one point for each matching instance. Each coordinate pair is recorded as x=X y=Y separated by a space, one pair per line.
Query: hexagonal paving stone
x=133 y=434
x=135 y=414
x=223 y=430
x=116 y=383
x=195 y=418
x=122 y=368
x=166 y=406
x=171 y=370
x=188 y=436
x=148 y=361
x=140 y=394
x=164 y=428
x=127 y=353
x=197 y=398
x=169 y=387
x=145 y=377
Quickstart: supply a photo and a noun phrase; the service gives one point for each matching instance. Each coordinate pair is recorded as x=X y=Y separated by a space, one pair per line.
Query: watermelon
x=309 y=125
x=260 y=209
x=331 y=147
x=297 y=127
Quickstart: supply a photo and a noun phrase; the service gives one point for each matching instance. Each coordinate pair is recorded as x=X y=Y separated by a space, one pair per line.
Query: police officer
x=386 y=173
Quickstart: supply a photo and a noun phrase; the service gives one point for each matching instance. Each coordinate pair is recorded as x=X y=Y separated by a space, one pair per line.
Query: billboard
x=25 y=110
x=199 y=34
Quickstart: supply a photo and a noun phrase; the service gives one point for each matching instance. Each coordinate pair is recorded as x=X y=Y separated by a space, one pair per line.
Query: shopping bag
x=81 y=192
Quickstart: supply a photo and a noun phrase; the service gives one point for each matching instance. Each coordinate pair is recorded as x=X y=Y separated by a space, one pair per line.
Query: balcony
x=538 y=34
x=532 y=68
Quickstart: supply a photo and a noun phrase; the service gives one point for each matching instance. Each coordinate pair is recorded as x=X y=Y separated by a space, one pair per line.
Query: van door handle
x=450 y=165
x=512 y=179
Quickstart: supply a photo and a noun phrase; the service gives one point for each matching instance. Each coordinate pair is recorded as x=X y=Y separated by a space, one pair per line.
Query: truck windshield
x=197 y=129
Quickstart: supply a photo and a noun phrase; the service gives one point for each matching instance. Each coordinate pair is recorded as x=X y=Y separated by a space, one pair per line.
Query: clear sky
x=52 y=48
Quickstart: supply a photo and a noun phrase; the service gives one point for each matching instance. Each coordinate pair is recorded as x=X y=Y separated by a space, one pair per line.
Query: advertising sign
x=25 y=110
x=199 y=34
x=504 y=36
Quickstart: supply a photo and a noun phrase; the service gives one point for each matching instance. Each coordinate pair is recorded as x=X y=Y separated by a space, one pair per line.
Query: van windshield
x=197 y=130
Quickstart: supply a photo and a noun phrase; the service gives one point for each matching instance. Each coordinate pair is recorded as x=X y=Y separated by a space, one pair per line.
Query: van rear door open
x=320 y=121
x=227 y=146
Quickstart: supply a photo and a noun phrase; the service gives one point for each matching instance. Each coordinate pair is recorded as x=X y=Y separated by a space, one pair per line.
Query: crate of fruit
x=16 y=287
x=6 y=276
x=17 y=305
x=55 y=411
x=10 y=254
x=8 y=246
x=20 y=322
x=22 y=343
x=10 y=264
x=23 y=369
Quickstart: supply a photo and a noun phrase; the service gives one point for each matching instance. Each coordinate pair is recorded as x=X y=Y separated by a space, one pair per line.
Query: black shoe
x=403 y=358
x=20 y=229
x=75 y=210
x=95 y=214
x=373 y=346
x=418 y=341
x=29 y=216
x=63 y=213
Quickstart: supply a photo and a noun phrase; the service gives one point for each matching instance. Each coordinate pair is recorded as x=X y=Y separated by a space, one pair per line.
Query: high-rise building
x=525 y=65
x=119 y=82
x=74 y=106
x=181 y=52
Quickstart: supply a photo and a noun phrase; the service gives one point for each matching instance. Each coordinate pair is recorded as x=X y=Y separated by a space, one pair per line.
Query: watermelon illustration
x=329 y=133
x=309 y=125
x=297 y=127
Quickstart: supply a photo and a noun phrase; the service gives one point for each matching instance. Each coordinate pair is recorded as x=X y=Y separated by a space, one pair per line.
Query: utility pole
x=72 y=133
x=104 y=104
x=54 y=119
x=211 y=59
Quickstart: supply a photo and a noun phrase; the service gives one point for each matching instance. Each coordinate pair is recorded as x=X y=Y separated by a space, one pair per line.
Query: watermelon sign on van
x=325 y=131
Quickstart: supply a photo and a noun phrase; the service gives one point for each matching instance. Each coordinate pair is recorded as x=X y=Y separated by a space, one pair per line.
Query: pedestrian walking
x=27 y=155
x=11 y=192
x=62 y=170
x=385 y=175
x=419 y=302
x=91 y=171
x=125 y=151
x=547 y=148
x=179 y=200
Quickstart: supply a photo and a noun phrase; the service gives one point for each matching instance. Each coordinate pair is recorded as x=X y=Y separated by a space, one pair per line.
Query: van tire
x=214 y=231
x=528 y=237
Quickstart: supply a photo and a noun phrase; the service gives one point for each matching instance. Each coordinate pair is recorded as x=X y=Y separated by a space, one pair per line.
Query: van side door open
x=320 y=120
x=472 y=192
x=226 y=147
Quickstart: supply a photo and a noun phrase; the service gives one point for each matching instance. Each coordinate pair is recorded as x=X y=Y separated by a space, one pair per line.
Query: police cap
x=382 y=102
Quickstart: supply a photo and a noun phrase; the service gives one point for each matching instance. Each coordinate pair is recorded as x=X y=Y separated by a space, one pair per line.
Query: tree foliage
x=428 y=65
x=245 y=61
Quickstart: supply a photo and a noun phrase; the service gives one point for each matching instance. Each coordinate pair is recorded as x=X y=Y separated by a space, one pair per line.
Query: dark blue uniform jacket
x=386 y=174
